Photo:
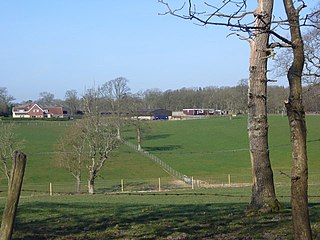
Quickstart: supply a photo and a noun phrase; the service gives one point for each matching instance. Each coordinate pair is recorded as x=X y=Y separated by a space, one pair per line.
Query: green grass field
x=201 y=214
x=214 y=148
x=208 y=149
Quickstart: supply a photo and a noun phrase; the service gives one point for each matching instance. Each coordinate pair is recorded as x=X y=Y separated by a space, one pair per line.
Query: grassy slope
x=41 y=168
x=204 y=214
x=217 y=147
x=207 y=148
x=201 y=147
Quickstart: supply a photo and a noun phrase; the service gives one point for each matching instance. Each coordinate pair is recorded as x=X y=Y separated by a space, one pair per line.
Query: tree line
x=230 y=98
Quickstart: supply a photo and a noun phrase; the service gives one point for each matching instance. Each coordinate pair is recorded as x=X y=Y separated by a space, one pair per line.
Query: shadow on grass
x=162 y=148
x=157 y=136
x=81 y=220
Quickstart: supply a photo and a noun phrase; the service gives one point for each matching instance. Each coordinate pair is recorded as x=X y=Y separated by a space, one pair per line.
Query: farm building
x=36 y=111
x=154 y=114
x=203 y=111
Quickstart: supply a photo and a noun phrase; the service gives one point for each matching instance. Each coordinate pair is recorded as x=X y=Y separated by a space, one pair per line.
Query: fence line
x=152 y=185
x=162 y=164
x=119 y=186
x=61 y=123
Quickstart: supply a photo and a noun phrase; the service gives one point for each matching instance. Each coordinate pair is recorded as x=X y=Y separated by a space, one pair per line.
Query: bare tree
x=234 y=14
x=311 y=98
x=46 y=98
x=14 y=191
x=115 y=92
x=101 y=135
x=151 y=98
x=71 y=152
x=311 y=73
x=240 y=99
x=276 y=97
x=311 y=39
x=135 y=108
x=8 y=144
x=72 y=101
x=5 y=101
x=260 y=51
x=298 y=129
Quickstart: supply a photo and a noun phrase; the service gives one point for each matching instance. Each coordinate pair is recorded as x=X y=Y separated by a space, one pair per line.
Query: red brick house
x=35 y=111
x=53 y=112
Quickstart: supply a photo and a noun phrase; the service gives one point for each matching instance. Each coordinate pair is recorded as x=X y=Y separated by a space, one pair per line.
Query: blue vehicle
x=160 y=117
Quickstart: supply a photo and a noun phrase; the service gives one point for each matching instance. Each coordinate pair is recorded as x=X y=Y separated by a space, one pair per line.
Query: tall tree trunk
x=91 y=182
x=78 y=184
x=263 y=192
x=118 y=131
x=16 y=179
x=139 y=137
x=298 y=131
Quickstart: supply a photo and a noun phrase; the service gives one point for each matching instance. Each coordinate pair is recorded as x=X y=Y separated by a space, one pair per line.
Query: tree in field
x=140 y=125
x=115 y=93
x=72 y=101
x=101 y=135
x=257 y=25
x=302 y=62
x=5 y=101
x=260 y=51
x=298 y=129
x=71 y=152
x=8 y=144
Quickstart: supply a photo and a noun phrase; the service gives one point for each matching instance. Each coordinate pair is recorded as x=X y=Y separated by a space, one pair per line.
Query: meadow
x=213 y=148
x=207 y=149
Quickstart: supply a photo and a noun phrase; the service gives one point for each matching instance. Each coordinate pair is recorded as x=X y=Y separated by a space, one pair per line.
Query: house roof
x=55 y=110
x=34 y=106
x=25 y=107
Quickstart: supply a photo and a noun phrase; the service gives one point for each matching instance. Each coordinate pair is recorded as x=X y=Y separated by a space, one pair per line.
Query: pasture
x=211 y=149
x=208 y=214
x=207 y=149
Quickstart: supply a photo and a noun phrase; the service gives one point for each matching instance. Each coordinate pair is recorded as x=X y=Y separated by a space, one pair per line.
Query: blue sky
x=60 y=45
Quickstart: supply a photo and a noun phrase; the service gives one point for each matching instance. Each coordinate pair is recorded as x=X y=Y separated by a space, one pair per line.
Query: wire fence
x=161 y=163
x=61 y=123
x=101 y=187
x=165 y=184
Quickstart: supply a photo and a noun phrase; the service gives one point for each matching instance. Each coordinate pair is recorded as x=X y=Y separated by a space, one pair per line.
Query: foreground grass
x=205 y=214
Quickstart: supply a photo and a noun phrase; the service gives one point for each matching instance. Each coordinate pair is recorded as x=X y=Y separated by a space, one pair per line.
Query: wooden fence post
x=14 y=190
x=159 y=184
x=122 y=187
x=50 y=189
x=192 y=183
